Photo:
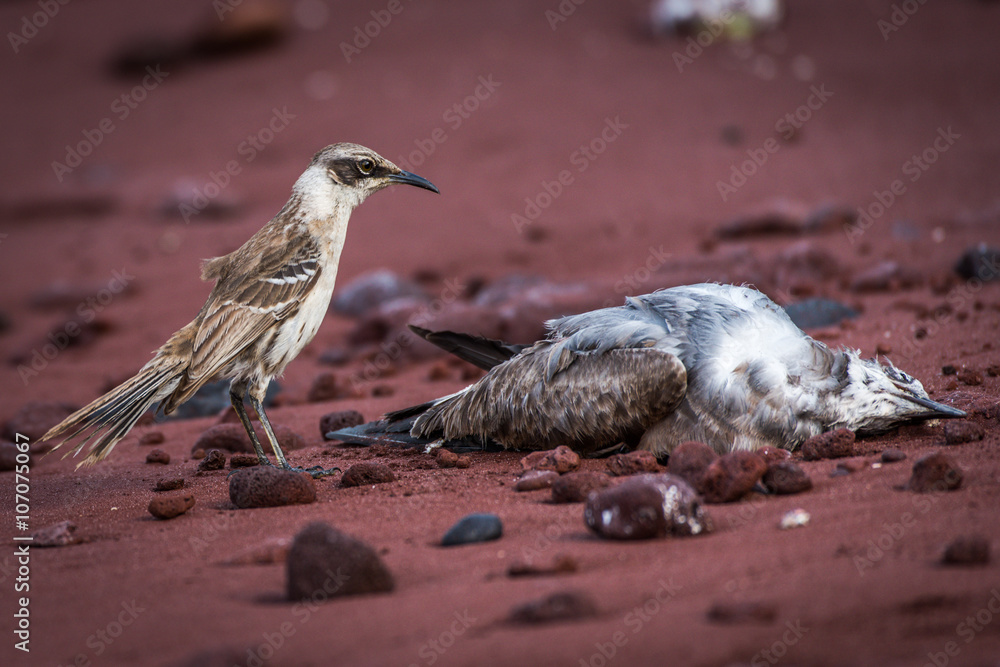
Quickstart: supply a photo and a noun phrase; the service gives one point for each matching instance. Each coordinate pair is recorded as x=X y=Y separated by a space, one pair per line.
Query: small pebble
x=970 y=377
x=158 y=456
x=214 y=460
x=633 y=463
x=275 y=550
x=935 y=472
x=243 y=460
x=445 y=458
x=560 y=564
x=967 y=550
x=323 y=563
x=473 y=528
x=562 y=606
x=168 y=507
x=151 y=438
x=958 y=432
x=830 y=445
x=786 y=478
x=949 y=369
x=365 y=474
x=731 y=476
x=893 y=455
x=57 y=535
x=463 y=461
x=646 y=506
x=169 y=484
x=562 y=459
x=265 y=486
x=690 y=460
x=796 y=518
x=574 y=487
x=771 y=454
x=533 y=480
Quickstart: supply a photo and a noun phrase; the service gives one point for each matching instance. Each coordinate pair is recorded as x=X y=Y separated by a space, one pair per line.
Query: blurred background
x=616 y=146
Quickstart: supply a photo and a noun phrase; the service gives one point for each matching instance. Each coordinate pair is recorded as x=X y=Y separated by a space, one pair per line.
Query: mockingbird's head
x=348 y=173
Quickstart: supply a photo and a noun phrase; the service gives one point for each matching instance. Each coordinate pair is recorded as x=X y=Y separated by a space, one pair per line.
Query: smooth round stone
x=473 y=528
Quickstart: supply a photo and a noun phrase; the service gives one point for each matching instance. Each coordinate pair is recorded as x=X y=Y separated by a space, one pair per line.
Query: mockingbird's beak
x=412 y=179
x=936 y=409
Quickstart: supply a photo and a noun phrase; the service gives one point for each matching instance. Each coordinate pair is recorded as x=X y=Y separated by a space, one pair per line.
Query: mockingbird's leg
x=315 y=471
x=237 y=400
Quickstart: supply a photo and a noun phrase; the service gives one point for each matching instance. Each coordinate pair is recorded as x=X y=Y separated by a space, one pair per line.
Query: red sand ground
x=654 y=185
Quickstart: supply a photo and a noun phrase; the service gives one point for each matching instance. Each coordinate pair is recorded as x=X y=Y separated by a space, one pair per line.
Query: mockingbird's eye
x=366 y=166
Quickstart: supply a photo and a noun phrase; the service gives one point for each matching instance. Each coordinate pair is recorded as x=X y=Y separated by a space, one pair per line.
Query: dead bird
x=720 y=364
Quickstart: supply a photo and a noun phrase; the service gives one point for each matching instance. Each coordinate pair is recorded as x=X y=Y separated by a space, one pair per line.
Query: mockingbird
x=270 y=297
x=716 y=363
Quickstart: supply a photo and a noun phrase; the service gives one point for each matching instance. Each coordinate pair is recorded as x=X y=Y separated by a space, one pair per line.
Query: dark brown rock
x=151 y=438
x=533 y=480
x=57 y=535
x=365 y=474
x=463 y=461
x=158 y=456
x=560 y=564
x=742 y=612
x=574 y=487
x=243 y=460
x=967 y=550
x=732 y=476
x=562 y=459
x=561 y=606
x=169 y=484
x=633 y=463
x=958 y=432
x=646 y=506
x=214 y=460
x=690 y=460
x=264 y=486
x=325 y=563
x=830 y=445
x=970 y=376
x=772 y=454
x=892 y=455
x=785 y=478
x=445 y=458
x=328 y=387
x=233 y=438
x=168 y=507
x=935 y=472
x=33 y=420
x=334 y=421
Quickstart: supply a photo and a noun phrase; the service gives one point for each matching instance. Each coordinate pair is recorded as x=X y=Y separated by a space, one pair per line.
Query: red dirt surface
x=861 y=584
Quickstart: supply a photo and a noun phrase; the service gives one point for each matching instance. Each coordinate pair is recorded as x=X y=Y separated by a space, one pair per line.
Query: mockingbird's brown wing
x=251 y=296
